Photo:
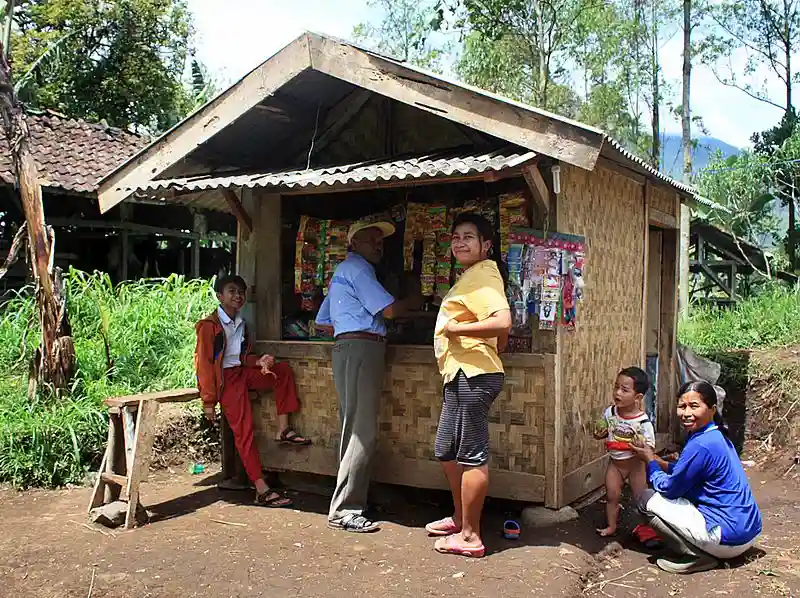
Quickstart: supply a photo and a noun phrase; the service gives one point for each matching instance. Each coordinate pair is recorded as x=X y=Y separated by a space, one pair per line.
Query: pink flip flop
x=442 y=527
x=446 y=546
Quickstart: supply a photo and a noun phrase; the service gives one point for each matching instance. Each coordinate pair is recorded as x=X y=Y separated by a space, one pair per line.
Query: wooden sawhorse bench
x=126 y=461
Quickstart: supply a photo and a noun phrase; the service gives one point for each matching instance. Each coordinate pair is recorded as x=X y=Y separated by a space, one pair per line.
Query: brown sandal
x=273 y=500
x=289 y=436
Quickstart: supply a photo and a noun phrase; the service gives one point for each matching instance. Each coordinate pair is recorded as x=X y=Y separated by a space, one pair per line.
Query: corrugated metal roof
x=433 y=165
x=617 y=146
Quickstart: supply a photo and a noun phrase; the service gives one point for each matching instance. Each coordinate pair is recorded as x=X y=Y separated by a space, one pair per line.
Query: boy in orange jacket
x=227 y=371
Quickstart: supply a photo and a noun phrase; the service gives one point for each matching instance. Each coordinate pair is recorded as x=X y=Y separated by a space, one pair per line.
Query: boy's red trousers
x=235 y=403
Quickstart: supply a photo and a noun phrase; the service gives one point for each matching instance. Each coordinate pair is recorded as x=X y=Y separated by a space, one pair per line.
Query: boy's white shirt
x=640 y=424
x=234 y=337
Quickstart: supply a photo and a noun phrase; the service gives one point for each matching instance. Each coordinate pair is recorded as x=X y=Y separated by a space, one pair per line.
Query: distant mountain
x=707 y=147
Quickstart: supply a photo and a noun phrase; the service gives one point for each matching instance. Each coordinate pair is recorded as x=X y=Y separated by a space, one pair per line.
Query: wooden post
x=683 y=262
x=268 y=266
x=246 y=258
x=124 y=241
x=667 y=342
x=645 y=271
x=198 y=226
x=554 y=416
x=232 y=466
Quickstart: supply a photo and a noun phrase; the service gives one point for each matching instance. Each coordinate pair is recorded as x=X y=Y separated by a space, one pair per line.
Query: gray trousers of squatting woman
x=359 y=367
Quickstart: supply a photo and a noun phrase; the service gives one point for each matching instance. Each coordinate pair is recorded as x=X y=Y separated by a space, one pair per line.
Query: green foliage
x=765 y=321
x=149 y=327
x=122 y=61
x=404 y=32
x=741 y=184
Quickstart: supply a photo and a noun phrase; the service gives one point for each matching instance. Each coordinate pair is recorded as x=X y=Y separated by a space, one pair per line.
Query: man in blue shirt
x=355 y=308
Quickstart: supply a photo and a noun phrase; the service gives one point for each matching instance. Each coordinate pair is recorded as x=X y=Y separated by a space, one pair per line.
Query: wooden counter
x=411 y=403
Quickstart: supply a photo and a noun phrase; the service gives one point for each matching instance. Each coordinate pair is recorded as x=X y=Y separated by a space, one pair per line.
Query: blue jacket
x=710 y=475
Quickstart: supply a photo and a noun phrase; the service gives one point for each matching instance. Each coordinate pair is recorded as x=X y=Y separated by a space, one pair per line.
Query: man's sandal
x=357 y=524
x=273 y=500
x=289 y=436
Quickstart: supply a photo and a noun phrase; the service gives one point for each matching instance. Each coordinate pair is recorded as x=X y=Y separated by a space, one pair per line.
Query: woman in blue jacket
x=701 y=505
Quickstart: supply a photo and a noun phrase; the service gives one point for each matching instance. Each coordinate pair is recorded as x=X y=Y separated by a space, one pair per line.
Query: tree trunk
x=792 y=236
x=543 y=71
x=686 y=140
x=655 y=158
x=55 y=358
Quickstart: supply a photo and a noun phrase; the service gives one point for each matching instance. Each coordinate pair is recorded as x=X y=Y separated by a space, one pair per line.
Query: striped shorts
x=463 y=433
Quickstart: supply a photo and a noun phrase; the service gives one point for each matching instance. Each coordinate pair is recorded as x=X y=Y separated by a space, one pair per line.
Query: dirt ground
x=205 y=543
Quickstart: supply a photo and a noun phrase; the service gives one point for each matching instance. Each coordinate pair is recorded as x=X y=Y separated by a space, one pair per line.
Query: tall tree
x=120 y=60
x=769 y=32
x=686 y=142
x=404 y=31
x=781 y=146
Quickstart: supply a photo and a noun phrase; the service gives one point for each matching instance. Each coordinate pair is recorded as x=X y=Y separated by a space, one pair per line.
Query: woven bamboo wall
x=411 y=404
x=663 y=199
x=608 y=209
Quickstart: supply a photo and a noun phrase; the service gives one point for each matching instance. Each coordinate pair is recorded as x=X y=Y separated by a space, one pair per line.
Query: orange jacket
x=208 y=354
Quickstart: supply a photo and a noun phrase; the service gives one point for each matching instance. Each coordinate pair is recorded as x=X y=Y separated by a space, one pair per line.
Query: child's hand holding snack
x=601 y=429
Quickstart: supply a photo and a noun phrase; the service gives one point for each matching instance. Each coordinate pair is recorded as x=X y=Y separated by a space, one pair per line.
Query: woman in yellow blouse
x=473 y=323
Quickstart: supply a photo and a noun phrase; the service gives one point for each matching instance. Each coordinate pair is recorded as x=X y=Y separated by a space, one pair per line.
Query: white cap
x=386 y=228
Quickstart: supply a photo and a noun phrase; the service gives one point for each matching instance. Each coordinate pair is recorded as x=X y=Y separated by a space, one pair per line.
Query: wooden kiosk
x=326 y=130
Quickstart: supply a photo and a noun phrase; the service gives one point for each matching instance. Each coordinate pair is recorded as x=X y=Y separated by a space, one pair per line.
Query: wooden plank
x=717 y=280
x=143 y=452
x=661 y=219
x=629 y=174
x=246 y=256
x=553 y=431
x=204 y=124
x=242 y=217
x=554 y=409
x=645 y=282
x=654 y=280
x=538 y=188
x=541 y=132
x=584 y=480
x=396 y=469
x=396 y=354
x=129 y=435
x=98 y=491
x=667 y=350
x=198 y=226
x=268 y=267
x=117 y=462
x=114 y=478
x=336 y=120
x=132 y=227
x=180 y=395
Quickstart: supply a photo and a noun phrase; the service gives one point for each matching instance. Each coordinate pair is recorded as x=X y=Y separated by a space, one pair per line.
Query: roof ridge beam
x=512 y=122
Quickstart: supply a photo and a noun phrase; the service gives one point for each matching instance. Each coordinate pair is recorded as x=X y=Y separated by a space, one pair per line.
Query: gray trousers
x=358 y=371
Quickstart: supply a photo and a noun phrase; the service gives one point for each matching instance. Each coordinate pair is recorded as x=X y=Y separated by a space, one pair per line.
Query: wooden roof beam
x=538 y=131
x=201 y=126
x=237 y=209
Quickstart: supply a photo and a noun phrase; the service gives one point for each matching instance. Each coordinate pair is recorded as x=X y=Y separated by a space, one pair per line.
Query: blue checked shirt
x=355 y=299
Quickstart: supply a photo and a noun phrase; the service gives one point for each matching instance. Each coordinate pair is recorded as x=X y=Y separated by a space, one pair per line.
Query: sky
x=235 y=36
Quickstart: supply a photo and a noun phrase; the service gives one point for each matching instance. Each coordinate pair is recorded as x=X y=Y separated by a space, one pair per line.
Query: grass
x=148 y=327
x=756 y=343
x=766 y=321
